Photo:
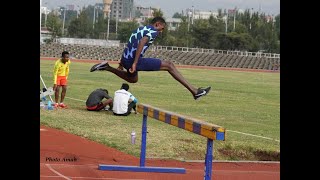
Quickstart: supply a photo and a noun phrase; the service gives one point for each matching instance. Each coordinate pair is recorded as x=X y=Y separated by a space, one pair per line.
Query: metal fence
x=92 y=42
x=201 y=50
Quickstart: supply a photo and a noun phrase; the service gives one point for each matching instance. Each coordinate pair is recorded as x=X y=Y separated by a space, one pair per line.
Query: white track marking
x=76 y=99
x=56 y=172
x=43 y=129
x=253 y=135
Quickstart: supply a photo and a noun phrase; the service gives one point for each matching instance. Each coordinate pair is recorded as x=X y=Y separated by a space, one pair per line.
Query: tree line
x=246 y=31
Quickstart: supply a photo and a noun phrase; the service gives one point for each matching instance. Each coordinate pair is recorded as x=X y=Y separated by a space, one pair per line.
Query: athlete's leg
x=154 y=64
x=170 y=67
x=63 y=93
x=64 y=85
x=57 y=93
x=131 y=78
x=104 y=66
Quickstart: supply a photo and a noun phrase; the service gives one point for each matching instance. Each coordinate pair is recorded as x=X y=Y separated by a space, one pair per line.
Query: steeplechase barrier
x=210 y=131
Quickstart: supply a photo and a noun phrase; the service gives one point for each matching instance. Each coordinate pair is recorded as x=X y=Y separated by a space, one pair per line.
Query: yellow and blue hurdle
x=208 y=130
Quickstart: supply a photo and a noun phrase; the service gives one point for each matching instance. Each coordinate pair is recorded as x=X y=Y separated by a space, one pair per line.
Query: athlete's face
x=160 y=26
x=65 y=57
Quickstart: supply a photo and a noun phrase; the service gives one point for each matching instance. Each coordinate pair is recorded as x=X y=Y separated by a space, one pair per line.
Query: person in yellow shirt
x=60 y=76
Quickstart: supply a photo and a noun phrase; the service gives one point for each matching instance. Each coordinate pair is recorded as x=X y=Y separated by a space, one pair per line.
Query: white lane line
x=76 y=99
x=43 y=129
x=56 y=172
x=254 y=135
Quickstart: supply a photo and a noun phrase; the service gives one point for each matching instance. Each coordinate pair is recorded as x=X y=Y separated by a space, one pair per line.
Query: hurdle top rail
x=194 y=125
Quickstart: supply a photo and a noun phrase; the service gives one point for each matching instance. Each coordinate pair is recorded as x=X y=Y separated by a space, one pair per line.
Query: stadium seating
x=178 y=55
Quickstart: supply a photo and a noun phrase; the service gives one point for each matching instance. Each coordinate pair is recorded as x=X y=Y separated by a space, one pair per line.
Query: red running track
x=67 y=156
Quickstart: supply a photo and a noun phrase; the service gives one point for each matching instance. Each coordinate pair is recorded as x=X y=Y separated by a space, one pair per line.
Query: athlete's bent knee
x=167 y=65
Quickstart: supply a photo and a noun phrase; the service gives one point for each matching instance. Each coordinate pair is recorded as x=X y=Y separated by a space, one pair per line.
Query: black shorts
x=144 y=64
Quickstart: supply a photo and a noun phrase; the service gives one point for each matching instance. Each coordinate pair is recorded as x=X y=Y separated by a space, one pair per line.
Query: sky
x=169 y=7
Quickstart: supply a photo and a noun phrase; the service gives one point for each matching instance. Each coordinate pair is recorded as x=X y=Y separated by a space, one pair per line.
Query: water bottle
x=42 y=105
x=133 y=137
x=49 y=107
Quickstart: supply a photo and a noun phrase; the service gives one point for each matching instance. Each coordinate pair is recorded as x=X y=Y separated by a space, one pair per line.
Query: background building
x=145 y=11
x=173 y=23
x=122 y=9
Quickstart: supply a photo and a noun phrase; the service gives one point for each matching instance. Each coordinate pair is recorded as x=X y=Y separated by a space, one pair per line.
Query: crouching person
x=95 y=100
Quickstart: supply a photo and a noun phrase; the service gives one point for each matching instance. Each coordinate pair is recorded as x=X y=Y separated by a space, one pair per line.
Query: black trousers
x=131 y=106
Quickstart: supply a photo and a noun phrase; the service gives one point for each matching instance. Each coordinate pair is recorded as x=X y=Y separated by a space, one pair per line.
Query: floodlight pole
x=94 y=16
x=234 y=18
x=108 y=25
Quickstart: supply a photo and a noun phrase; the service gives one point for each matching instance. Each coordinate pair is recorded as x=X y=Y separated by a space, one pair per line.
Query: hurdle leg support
x=143 y=141
x=208 y=160
x=142 y=167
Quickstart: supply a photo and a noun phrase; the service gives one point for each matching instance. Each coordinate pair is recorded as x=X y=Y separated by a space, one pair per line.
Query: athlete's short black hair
x=64 y=52
x=125 y=86
x=158 y=19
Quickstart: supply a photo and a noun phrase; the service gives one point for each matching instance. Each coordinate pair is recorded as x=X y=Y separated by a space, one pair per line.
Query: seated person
x=124 y=101
x=94 y=101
